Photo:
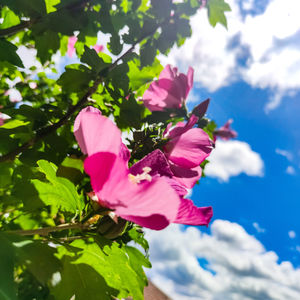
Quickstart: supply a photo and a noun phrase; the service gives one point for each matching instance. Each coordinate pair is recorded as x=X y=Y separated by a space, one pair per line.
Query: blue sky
x=272 y=201
x=251 y=72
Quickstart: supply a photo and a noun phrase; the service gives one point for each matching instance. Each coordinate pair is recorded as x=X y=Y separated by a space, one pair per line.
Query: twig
x=14 y=29
x=47 y=230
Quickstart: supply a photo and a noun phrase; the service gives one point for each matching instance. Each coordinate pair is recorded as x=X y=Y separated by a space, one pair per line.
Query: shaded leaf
x=8 y=53
x=7 y=286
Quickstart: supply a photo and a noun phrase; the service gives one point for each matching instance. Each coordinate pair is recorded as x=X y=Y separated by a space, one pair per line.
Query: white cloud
x=292 y=234
x=233 y=265
x=193 y=97
x=268 y=44
x=231 y=158
x=288 y=155
x=258 y=228
x=290 y=170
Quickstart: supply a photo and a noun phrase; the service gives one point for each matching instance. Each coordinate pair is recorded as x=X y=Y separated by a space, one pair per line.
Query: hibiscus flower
x=146 y=199
x=170 y=90
x=186 y=149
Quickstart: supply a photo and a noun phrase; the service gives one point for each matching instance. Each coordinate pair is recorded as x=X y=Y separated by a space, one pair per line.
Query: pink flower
x=98 y=48
x=225 y=132
x=144 y=198
x=134 y=198
x=188 y=213
x=71 y=46
x=170 y=90
x=187 y=148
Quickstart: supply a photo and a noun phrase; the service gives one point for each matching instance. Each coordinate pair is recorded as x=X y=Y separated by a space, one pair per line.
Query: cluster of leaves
x=55 y=241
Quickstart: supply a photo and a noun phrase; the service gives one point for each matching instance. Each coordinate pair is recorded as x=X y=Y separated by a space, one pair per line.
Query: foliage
x=52 y=237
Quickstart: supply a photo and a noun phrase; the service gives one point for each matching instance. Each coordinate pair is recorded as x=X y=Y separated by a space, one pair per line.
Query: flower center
x=139 y=177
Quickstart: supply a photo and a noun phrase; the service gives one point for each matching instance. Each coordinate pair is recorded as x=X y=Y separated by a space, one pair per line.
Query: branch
x=26 y=24
x=14 y=29
x=51 y=128
x=47 y=230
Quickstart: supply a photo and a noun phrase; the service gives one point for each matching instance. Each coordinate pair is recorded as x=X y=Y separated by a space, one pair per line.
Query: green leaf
x=148 y=53
x=39 y=259
x=48 y=168
x=103 y=268
x=162 y=8
x=82 y=281
x=216 y=9
x=13 y=124
x=8 y=53
x=114 y=45
x=32 y=8
x=47 y=44
x=138 y=237
x=72 y=169
x=7 y=286
x=60 y=193
x=5 y=174
x=91 y=58
x=137 y=260
x=139 y=78
x=9 y=18
x=131 y=113
x=50 y=5
x=75 y=80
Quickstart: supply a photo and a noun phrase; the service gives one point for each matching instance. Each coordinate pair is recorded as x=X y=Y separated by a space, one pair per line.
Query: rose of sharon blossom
x=186 y=149
x=170 y=90
x=147 y=200
x=98 y=48
x=71 y=46
x=225 y=132
x=188 y=213
x=134 y=198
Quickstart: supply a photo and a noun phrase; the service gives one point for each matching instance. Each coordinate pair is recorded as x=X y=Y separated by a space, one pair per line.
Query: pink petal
x=169 y=91
x=168 y=73
x=154 y=204
x=96 y=133
x=225 y=132
x=177 y=187
x=98 y=48
x=189 y=149
x=157 y=98
x=158 y=163
x=201 y=109
x=149 y=198
x=71 y=43
x=190 y=80
x=155 y=221
x=189 y=214
x=181 y=128
x=186 y=177
x=107 y=172
x=124 y=152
